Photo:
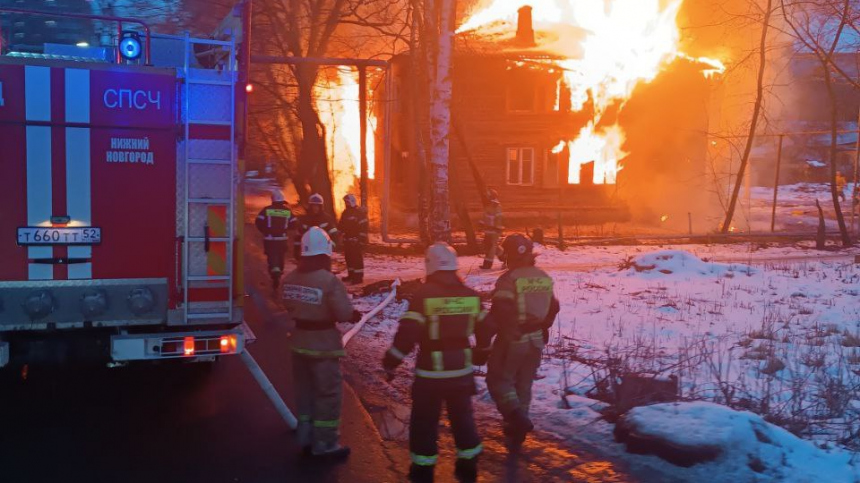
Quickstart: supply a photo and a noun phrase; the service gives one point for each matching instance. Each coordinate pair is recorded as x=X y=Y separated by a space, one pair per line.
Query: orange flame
x=338 y=108
x=619 y=44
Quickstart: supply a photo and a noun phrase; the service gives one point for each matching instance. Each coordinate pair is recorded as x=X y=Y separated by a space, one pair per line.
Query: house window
x=551 y=169
x=521 y=166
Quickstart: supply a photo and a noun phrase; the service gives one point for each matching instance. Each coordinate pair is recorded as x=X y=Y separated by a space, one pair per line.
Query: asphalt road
x=169 y=423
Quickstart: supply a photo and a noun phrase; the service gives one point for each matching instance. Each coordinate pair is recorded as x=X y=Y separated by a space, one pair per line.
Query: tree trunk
x=834 y=127
x=440 y=117
x=419 y=62
x=312 y=173
x=730 y=213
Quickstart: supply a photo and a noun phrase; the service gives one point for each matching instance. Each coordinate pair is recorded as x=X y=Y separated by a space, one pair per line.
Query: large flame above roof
x=624 y=43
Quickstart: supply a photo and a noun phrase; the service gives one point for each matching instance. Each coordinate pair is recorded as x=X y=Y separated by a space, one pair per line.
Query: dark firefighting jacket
x=305 y=222
x=524 y=308
x=492 y=221
x=353 y=225
x=442 y=316
x=275 y=220
x=316 y=300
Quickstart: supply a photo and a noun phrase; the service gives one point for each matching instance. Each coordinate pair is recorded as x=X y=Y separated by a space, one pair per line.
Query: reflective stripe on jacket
x=316 y=297
x=442 y=316
x=275 y=220
x=524 y=306
x=353 y=225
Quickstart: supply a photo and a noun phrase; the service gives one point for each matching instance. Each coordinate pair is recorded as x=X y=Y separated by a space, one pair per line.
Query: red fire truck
x=120 y=213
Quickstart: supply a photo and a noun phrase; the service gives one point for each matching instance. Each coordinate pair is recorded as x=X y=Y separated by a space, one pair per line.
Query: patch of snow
x=815 y=163
x=748 y=444
x=680 y=264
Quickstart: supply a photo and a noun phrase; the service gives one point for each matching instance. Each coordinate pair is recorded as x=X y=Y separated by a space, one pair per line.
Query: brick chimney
x=525 y=29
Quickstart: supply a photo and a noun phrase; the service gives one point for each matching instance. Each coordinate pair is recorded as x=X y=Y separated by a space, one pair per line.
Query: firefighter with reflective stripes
x=315 y=216
x=353 y=228
x=316 y=301
x=523 y=309
x=274 y=222
x=442 y=316
x=492 y=224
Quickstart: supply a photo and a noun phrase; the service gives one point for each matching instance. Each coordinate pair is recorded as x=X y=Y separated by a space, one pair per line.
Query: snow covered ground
x=796 y=211
x=773 y=330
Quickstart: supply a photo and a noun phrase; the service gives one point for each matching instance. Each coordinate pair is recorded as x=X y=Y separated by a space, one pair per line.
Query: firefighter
x=840 y=185
x=315 y=216
x=316 y=301
x=274 y=222
x=492 y=224
x=440 y=321
x=523 y=309
x=353 y=228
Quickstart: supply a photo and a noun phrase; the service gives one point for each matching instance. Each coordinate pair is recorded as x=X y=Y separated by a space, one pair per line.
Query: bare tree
x=819 y=25
x=756 y=115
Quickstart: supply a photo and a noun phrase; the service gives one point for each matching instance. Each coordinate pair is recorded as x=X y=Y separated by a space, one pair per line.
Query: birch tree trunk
x=440 y=24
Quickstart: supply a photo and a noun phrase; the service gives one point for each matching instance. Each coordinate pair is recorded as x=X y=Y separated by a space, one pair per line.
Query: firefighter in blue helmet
x=315 y=216
x=442 y=316
x=274 y=222
x=353 y=229
x=316 y=301
x=523 y=309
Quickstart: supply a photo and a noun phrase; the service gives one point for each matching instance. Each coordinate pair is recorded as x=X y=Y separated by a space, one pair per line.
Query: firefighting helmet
x=316 y=242
x=515 y=248
x=277 y=196
x=440 y=258
x=316 y=199
x=350 y=200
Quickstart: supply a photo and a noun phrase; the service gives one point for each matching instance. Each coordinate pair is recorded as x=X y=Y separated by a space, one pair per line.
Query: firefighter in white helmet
x=316 y=301
x=315 y=216
x=353 y=228
x=442 y=316
x=274 y=222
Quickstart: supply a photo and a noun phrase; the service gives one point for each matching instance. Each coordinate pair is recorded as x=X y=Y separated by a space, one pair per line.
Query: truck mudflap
x=177 y=345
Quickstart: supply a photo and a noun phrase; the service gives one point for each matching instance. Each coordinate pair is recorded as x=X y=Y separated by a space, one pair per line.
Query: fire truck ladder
x=208 y=118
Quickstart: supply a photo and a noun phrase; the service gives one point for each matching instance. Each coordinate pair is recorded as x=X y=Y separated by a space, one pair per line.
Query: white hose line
x=269 y=389
x=360 y=324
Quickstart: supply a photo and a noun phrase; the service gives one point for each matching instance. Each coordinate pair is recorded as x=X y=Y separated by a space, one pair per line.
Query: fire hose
x=266 y=384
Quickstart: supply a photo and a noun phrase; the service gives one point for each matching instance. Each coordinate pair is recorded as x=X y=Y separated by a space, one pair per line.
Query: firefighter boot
x=517 y=425
x=466 y=470
x=335 y=453
x=488 y=265
x=421 y=474
x=349 y=278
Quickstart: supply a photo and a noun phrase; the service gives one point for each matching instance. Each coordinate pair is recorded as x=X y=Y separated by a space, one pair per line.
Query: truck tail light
x=228 y=344
x=188 y=346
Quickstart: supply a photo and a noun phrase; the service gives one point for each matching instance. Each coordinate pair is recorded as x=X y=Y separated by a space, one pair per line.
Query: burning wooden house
x=594 y=114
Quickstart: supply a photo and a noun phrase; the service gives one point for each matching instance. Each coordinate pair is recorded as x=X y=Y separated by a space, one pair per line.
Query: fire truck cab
x=120 y=208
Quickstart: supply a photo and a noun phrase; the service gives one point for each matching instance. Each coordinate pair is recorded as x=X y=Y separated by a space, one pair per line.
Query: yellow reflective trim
x=504 y=294
x=468 y=354
x=452 y=306
x=438 y=363
x=522 y=316
x=471 y=453
x=433 y=328
x=279 y=213
x=304 y=418
x=333 y=423
x=444 y=374
x=534 y=285
x=471 y=327
x=396 y=353
x=422 y=460
x=313 y=353
x=510 y=397
x=417 y=317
